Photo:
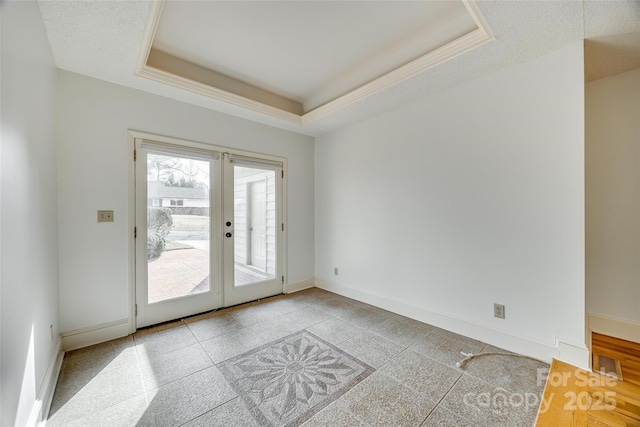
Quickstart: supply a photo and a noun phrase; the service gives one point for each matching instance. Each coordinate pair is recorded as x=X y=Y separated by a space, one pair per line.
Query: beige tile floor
x=172 y=374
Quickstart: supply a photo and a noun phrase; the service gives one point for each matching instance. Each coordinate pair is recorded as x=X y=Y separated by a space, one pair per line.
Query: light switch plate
x=105 y=216
x=498 y=311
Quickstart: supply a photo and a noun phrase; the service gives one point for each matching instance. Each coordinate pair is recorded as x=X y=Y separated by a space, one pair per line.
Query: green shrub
x=155 y=244
x=159 y=222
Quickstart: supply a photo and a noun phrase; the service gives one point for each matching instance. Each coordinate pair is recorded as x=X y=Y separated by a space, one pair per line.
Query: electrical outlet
x=498 y=311
x=335 y=271
x=105 y=216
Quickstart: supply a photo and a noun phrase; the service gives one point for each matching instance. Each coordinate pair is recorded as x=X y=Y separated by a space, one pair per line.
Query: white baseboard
x=97 y=334
x=300 y=285
x=572 y=353
x=620 y=328
x=40 y=410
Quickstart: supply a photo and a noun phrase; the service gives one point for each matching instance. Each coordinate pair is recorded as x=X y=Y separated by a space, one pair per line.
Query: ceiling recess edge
x=469 y=41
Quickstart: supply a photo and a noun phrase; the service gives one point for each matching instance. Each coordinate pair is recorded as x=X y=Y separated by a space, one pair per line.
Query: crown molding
x=407 y=71
x=170 y=79
x=469 y=41
x=155 y=13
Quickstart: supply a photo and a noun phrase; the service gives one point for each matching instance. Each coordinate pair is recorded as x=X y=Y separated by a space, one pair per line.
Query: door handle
x=228 y=235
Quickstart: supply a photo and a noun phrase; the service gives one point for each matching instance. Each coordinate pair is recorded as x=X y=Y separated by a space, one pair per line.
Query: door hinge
x=283 y=174
x=136 y=309
x=135 y=232
x=283 y=226
x=283 y=280
x=135 y=155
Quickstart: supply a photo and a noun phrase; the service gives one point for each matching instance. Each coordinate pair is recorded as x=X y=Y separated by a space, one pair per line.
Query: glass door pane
x=253 y=232
x=178 y=220
x=174 y=217
x=255 y=218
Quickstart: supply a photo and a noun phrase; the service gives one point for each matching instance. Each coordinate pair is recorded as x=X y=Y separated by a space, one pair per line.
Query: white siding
x=243 y=177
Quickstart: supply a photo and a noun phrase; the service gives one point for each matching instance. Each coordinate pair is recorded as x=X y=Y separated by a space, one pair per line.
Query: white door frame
x=132 y=135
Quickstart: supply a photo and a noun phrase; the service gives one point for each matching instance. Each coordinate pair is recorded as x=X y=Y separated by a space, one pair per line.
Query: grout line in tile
x=74 y=420
x=212 y=409
x=443 y=397
x=183 y=377
x=206 y=352
x=436 y=331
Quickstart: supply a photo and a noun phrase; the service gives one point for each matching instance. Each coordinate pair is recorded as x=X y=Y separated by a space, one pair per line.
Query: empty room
x=320 y=213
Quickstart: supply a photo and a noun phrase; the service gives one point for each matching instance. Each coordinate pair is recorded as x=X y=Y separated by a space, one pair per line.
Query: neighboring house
x=160 y=195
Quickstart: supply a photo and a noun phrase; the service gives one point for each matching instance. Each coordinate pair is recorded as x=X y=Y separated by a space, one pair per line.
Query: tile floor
x=310 y=358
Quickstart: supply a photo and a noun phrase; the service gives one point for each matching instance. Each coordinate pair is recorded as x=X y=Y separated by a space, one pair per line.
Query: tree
x=177 y=172
x=184 y=182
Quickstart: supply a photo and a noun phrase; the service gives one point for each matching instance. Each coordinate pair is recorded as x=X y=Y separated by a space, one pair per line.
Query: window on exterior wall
x=177 y=203
x=156 y=202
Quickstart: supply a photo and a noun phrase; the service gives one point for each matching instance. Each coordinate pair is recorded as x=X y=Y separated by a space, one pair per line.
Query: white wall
x=613 y=196
x=93 y=156
x=29 y=277
x=470 y=197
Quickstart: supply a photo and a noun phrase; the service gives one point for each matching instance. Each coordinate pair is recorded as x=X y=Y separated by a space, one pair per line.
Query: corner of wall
x=40 y=410
x=79 y=338
x=573 y=353
x=300 y=285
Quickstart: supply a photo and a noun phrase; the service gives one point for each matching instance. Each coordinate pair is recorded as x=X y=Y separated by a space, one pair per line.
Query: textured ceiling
x=310 y=52
x=103 y=39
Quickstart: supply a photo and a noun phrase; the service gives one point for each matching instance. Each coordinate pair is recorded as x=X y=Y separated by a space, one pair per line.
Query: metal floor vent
x=607 y=366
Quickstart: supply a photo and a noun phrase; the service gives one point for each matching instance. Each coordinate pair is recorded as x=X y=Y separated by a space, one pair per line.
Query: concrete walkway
x=186 y=271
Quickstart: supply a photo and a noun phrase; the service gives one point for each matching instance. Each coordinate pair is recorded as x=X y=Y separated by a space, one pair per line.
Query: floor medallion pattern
x=287 y=381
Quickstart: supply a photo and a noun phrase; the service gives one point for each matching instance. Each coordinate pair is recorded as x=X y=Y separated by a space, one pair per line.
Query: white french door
x=252 y=229
x=209 y=229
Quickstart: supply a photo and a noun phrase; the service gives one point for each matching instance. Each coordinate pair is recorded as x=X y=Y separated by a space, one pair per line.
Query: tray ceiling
x=110 y=41
x=301 y=61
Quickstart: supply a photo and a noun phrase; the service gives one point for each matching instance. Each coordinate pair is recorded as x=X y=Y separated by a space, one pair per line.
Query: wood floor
x=576 y=398
x=622 y=356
